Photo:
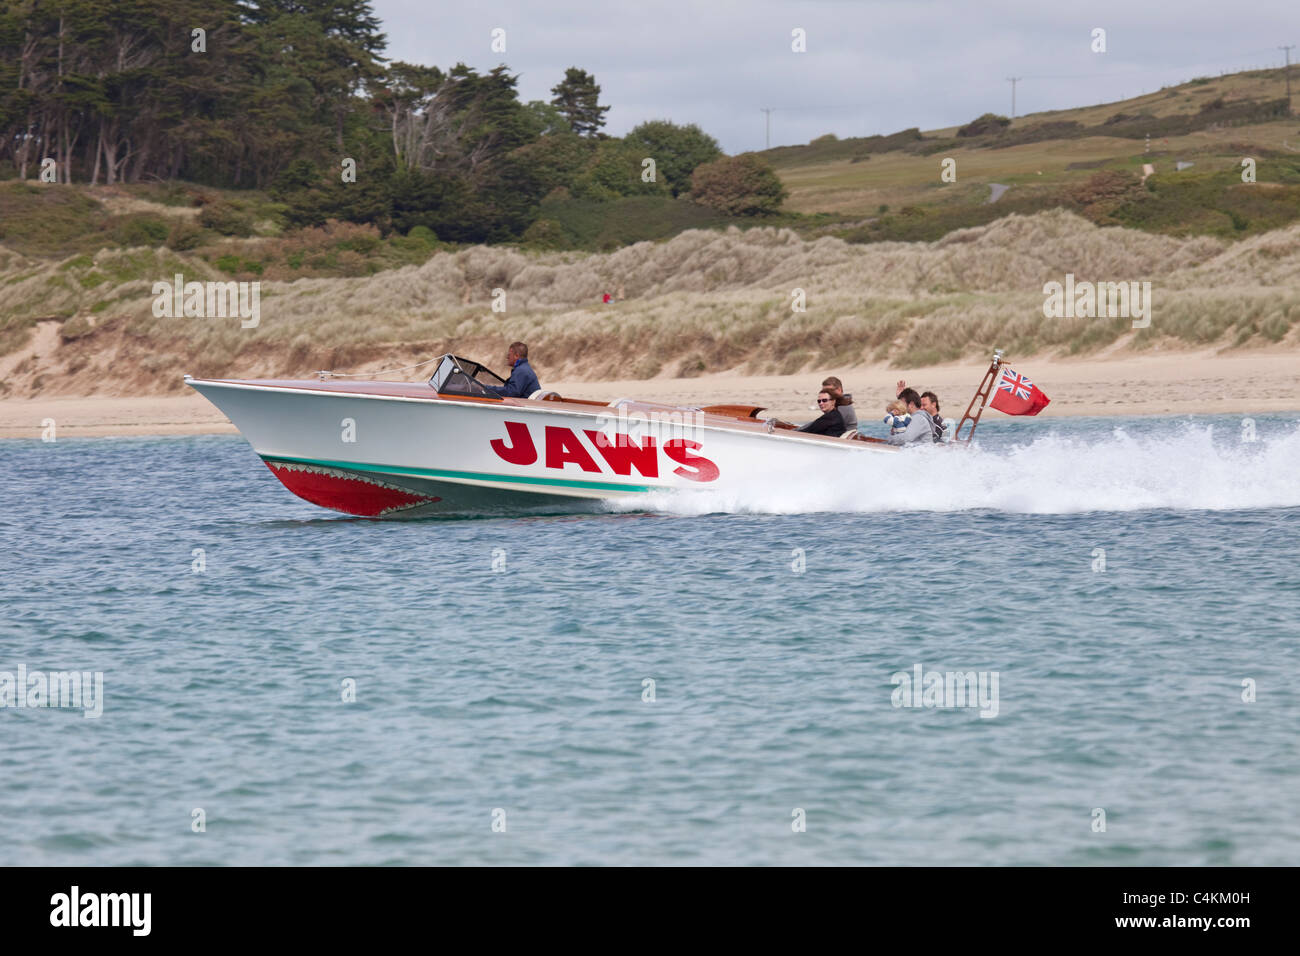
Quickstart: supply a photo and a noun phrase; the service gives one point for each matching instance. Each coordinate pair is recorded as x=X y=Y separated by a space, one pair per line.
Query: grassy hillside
x=892 y=184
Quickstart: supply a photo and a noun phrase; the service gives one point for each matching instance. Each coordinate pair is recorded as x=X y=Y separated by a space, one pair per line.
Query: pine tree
x=577 y=98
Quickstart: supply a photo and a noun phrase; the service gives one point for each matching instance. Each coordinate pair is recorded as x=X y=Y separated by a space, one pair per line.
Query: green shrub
x=984 y=125
x=1040 y=132
x=185 y=235
x=1106 y=185
x=168 y=194
x=823 y=150
x=75 y=328
x=360 y=244
x=142 y=231
x=424 y=234
x=1275 y=327
x=912 y=224
x=52 y=221
x=598 y=192
x=545 y=234
x=224 y=218
x=738 y=186
x=1211 y=203
x=123 y=266
x=588 y=223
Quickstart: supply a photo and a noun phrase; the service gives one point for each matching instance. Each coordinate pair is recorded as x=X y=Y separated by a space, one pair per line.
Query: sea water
x=759 y=676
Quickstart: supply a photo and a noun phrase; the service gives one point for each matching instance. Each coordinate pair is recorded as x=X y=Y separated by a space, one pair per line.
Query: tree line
x=295 y=97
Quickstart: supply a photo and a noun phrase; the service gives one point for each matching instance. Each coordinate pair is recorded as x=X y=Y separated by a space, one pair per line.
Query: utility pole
x=768 y=138
x=1013 y=80
x=1287 y=50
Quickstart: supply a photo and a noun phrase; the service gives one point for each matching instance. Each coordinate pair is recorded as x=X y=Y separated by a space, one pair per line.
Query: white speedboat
x=451 y=446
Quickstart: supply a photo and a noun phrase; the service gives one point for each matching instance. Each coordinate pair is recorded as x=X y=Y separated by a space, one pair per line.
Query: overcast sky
x=870 y=67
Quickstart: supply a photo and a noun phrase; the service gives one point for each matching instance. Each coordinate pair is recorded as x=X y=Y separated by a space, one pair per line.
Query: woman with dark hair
x=843 y=402
x=831 y=422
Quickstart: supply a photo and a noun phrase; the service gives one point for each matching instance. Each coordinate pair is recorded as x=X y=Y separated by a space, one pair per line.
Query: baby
x=896 y=417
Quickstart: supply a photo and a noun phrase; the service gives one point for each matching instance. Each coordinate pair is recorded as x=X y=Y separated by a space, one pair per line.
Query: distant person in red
x=607 y=298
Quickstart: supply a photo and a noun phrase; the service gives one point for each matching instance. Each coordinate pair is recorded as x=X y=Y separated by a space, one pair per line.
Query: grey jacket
x=919 y=429
x=849 y=415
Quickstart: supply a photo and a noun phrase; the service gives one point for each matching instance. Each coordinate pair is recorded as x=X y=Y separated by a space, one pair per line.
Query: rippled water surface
x=522 y=693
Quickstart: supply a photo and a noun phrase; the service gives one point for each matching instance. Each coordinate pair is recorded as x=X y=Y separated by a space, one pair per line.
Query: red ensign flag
x=1016 y=395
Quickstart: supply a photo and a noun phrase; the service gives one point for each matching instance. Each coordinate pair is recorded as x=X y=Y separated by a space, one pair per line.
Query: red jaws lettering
x=623 y=454
x=521 y=450
x=704 y=470
x=563 y=447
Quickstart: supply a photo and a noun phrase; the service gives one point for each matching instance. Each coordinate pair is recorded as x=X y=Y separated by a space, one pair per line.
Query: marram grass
x=702 y=300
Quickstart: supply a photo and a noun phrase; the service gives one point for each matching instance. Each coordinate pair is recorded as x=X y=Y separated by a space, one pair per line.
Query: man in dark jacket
x=930 y=403
x=522 y=382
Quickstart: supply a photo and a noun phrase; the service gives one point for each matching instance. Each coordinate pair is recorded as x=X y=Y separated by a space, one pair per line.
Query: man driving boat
x=523 y=381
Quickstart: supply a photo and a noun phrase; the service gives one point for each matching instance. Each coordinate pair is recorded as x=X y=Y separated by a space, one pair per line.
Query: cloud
x=872 y=67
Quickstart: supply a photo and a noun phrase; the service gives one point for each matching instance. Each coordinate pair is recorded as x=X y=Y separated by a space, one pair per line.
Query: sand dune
x=700 y=302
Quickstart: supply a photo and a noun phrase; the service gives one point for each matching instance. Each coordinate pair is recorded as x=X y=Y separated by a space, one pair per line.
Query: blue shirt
x=522 y=382
x=898 y=423
x=920 y=428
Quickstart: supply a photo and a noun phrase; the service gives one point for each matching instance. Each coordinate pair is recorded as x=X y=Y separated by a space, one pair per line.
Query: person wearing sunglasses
x=843 y=402
x=831 y=422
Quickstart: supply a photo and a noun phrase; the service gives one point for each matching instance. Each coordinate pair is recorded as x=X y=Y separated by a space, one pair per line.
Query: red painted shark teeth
x=346 y=491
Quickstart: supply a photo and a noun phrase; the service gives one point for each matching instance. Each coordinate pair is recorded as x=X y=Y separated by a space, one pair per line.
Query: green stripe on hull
x=467 y=475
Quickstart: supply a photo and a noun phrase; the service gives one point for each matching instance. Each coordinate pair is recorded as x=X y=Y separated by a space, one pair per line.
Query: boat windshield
x=460 y=376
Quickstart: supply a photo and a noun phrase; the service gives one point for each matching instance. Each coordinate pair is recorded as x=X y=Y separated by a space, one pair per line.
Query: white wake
x=1190 y=466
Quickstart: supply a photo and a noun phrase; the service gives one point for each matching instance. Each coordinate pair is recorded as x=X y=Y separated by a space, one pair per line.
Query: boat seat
x=543 y=395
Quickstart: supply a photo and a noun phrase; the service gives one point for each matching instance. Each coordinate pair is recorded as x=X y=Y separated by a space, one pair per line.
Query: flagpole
x=981 y=394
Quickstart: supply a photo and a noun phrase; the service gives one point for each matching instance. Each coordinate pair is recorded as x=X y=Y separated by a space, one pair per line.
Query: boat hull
x=407 y=453
x=376 y=494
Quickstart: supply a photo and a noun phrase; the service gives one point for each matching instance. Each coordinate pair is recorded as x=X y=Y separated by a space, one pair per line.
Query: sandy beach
x=1179 y=383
